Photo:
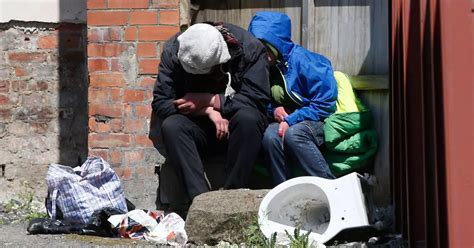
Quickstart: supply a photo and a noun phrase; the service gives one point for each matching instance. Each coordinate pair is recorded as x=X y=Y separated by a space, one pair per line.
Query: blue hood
x=274 y=28
x=309 y=78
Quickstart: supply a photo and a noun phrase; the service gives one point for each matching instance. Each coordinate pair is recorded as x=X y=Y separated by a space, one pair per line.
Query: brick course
x=156 y=33
x=147 y=49
x=107 y=18
x=125 y=38
x=169 y=17
x=143 y=17
x=96 y=4
x=127 y=4
x=171 y=4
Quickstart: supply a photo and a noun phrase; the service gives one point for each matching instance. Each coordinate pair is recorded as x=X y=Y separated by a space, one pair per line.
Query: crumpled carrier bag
x=169 y=231
x=79 y=192
x=151 y=225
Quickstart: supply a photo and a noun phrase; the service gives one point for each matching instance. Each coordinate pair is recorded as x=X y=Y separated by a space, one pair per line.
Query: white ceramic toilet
x=322 y=206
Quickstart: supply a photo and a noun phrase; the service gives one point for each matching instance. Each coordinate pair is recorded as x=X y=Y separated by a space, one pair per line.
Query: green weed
x=255 y=238
x=298 y=240
x=22 y=205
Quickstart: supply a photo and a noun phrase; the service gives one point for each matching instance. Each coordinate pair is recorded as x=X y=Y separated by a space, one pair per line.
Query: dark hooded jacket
x=308 y=76
x=248 y=71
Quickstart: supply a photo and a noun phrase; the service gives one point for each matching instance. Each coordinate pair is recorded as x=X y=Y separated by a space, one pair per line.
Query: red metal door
x=431 y=90
x=457 y=32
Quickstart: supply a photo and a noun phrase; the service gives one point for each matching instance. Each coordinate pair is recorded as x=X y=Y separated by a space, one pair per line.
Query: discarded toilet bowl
x=322 y=206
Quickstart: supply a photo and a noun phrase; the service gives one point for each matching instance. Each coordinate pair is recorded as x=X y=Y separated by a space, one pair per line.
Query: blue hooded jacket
x=309 y=78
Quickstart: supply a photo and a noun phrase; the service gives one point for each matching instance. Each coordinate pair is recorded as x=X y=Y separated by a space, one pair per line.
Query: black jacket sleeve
x=254 y=89
x=164 y=92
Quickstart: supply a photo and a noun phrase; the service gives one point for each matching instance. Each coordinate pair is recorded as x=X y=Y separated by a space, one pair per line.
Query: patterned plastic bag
x=80 y=191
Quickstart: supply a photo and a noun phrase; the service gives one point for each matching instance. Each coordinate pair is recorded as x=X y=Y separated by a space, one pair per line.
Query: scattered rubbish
x=170 y=230
x=89 y=200
x=388 y=241
x=151 y=225
x=136 y=223
x=97 y=226
x=50 y=226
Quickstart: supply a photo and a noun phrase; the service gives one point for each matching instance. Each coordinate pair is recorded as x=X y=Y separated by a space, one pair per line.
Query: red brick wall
x=125 y=38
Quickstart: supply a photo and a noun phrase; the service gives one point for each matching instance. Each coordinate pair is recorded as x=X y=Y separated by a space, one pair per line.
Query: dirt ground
x=15 y=235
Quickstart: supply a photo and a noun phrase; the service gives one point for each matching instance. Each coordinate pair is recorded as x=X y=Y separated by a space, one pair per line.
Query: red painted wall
x=457 y=30
x=432 y=103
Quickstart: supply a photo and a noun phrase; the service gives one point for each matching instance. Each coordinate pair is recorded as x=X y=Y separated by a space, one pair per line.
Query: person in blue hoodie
x=304 y=93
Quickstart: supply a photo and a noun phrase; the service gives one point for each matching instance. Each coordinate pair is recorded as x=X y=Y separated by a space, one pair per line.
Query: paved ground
x=13 y=230
x=15 y=235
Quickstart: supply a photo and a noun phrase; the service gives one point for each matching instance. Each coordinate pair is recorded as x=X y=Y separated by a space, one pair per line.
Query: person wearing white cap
x=211 y=93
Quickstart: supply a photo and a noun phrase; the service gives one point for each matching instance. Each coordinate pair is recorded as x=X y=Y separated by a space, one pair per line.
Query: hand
x=222 y=125
x=279 y=114
x=282 y=129
x=192 y=102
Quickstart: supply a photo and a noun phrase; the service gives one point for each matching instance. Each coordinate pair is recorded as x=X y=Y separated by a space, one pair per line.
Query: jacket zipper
x=286 y=89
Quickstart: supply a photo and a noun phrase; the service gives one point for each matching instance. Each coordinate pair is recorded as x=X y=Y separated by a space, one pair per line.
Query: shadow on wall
x=73 y=83
x=361 y=40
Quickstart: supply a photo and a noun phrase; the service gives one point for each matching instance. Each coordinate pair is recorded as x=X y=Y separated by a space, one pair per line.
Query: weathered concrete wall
x=43 y=101
x=125 y=39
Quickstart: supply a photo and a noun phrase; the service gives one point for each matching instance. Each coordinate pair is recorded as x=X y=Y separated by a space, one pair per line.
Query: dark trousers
x=188 y=139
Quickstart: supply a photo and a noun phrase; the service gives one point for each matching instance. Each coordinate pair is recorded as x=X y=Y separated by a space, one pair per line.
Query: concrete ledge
x=370 y=82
